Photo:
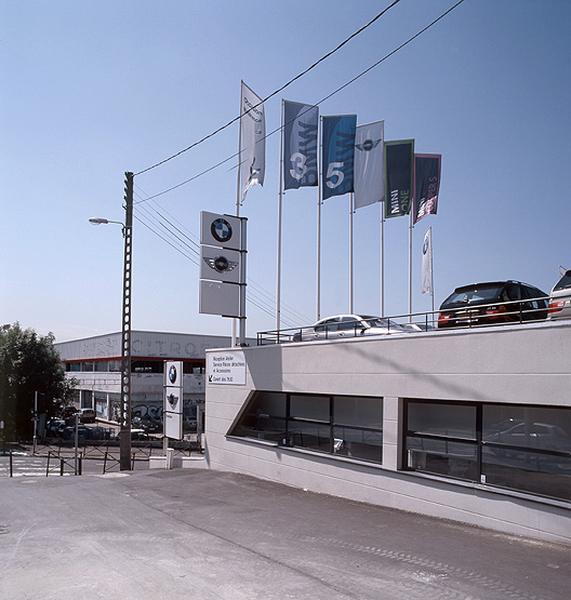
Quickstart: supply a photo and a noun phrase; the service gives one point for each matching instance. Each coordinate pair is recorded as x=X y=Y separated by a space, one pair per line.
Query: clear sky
x=93 y=89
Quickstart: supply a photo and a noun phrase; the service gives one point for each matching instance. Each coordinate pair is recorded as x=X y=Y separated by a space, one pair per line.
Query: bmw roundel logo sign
x=221 y=230
x=172 y=374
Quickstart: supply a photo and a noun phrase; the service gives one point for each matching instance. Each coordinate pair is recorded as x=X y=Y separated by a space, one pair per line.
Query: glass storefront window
x=87 y=366
x=442 y=419
x=358 y=411
x=102 y=366
x=306 y=421
x=523 y=448
x=310 y=407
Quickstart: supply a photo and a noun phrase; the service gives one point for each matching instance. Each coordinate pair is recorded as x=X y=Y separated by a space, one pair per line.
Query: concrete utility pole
x=125 y=432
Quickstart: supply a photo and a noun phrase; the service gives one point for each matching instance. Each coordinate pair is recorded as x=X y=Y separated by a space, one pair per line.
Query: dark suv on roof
x=492 y=303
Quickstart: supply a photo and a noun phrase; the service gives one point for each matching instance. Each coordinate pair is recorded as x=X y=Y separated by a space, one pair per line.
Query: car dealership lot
x=207 y=535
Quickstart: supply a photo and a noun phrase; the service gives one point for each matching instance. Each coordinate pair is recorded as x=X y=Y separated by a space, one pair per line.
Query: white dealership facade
x=468 y=425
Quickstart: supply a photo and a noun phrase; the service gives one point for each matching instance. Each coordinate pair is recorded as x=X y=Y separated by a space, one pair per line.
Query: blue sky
x=93 y=89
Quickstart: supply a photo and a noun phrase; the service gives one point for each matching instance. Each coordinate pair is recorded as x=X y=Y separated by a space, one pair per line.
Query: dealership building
x=467 y=425
x=95 y=362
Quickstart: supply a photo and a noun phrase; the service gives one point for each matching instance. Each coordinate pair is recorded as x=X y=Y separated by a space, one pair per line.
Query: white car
x=560 y=300
x=348 y=326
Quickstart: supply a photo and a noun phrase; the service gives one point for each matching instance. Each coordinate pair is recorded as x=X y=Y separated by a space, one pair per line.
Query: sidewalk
x=207 y=535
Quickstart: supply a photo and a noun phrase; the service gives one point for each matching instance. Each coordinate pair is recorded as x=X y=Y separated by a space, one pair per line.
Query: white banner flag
x=369 y=177
x=427 y=262
x=252 y=140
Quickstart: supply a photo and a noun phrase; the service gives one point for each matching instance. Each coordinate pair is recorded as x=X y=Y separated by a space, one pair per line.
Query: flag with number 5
x=338 y=140
x=300 y=145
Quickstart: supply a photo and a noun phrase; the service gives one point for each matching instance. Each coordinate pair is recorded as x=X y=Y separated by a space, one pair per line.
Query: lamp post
x=127 y=227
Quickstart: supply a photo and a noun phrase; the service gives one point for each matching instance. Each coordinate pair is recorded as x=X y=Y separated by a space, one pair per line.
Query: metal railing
x=470 y=316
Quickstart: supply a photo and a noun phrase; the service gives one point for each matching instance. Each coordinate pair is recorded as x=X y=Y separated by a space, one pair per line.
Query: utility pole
x=35 y=438
x=125 y=432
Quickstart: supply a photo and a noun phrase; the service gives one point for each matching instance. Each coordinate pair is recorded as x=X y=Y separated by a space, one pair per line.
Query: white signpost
x=226 y=368
x=173 y=399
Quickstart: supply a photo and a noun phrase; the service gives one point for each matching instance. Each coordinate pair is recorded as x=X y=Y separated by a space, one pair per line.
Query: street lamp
x=127 y=227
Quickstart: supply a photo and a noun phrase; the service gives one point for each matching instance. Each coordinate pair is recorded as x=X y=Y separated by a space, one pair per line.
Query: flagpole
x=410 y=268
x=318 y=293
x=234 y=321
x=432 y=270
x=382 y=258
x=280 y=205
x=351 y=276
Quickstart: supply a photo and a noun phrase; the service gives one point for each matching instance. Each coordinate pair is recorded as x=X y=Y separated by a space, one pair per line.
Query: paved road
x=203 y=535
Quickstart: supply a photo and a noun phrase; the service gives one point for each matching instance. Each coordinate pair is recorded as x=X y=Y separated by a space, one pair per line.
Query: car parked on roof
x=348 y=326
x=492 y=303
x=560 y=300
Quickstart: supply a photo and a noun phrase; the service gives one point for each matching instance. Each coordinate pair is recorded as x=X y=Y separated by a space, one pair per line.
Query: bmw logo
x=172 y=374
x=221 y=230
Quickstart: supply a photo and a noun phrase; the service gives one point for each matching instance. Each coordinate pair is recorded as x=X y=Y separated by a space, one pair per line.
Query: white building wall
x=523 y=365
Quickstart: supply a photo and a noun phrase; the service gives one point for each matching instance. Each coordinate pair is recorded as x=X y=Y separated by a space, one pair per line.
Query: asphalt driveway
x=210 y=535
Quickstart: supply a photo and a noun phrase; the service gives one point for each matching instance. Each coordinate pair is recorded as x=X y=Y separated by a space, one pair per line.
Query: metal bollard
x=61 y=467
x=80 y=461
x=11 y=465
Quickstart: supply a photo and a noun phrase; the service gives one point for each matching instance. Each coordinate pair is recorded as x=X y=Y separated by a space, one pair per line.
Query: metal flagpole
x=382 y=259
x=432 y=270
x=280 y=205
x=351 y=280
x=410 y=268
x=234 y=321
x=318 y=295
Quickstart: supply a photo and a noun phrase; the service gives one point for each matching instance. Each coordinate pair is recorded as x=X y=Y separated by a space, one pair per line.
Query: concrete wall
x=521 y=364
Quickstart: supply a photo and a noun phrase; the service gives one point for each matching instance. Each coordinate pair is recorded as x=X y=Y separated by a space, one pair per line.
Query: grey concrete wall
x=524 y=365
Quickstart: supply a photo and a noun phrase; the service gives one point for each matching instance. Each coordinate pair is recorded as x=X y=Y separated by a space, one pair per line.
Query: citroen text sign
x=173 y=399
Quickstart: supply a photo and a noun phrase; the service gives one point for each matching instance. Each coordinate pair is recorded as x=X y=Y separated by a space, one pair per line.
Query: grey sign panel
x=221 y=231
x=219 y=264
x=217 y=298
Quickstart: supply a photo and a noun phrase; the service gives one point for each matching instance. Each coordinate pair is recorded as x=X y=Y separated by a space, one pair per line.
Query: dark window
x=102 y=366
x=86 y=399
x=564 y=282
x=264 y=418
x=343 y=425
x=310 y=407
x=114 y=366
x=147 y=366
x=525 y=448
x=87 y=366
x=329 y=325
x=513 y=292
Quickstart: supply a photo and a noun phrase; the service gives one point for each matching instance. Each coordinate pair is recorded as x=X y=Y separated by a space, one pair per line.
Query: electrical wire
x=274 y=93
x=325 y=98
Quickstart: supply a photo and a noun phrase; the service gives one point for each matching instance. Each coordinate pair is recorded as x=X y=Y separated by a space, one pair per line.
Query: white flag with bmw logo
x=369 y=160
x=427 y=262
x=252 y=140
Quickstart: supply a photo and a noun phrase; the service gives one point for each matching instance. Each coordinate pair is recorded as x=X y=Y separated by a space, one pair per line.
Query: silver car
x=560 y=300
x=348 y=326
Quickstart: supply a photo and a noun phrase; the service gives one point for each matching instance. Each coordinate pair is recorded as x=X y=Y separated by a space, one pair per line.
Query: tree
x=29 y=363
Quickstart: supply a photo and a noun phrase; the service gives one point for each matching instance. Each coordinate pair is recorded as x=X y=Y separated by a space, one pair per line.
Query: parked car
x=491 y=303
x=55 y=427
x=560 y=300
x=87 y=415
x=348 y=326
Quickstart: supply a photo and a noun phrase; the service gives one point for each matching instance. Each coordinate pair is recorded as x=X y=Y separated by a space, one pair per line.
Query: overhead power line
x=327 y=97
x=274 y=93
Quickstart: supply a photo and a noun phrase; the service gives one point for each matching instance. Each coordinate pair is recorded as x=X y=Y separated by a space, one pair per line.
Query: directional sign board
x=226 y=367
x=173 y=399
